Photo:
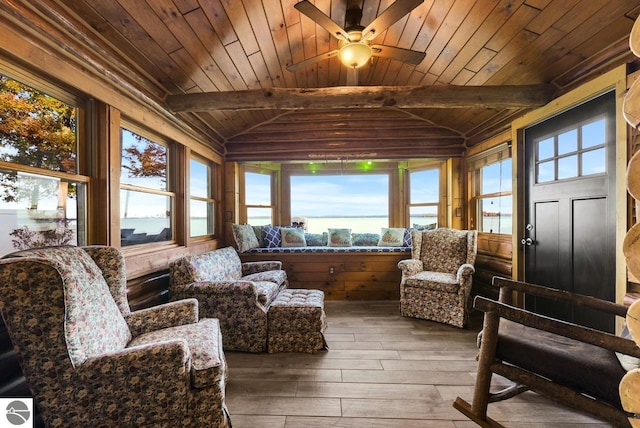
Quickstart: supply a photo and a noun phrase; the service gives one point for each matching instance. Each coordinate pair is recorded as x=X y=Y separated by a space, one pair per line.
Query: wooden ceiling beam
x=343 y=97
x=348 y=154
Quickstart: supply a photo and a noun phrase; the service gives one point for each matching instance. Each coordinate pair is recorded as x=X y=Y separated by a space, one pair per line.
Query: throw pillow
x=429 y=226
x=292 y=237
x=271 y=236
x=258 y=231
x=365 y=239
x=406 y=239
x=391 y=237
x=315 y=239
x=245 y=237
x=339 y=237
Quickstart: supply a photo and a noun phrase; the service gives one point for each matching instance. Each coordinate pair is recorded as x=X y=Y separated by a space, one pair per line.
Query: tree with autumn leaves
x=35 y=130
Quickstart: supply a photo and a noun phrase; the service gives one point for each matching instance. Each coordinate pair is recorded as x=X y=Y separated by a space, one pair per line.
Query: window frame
x=412 y=168
x=79 y=176
x=213 y=198
x=475 y=164
x=273 y=206
x=171 y=185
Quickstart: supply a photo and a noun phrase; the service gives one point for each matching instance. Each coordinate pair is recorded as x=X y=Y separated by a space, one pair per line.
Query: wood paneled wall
x=356 y=276
x=494 y=259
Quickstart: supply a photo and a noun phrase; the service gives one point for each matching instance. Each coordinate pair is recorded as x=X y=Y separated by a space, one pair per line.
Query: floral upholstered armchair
x=436 y=281
x=90 y=361
x=238 y=294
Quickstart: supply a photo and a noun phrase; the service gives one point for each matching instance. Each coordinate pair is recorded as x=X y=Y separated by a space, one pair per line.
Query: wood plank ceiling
x=179 y=47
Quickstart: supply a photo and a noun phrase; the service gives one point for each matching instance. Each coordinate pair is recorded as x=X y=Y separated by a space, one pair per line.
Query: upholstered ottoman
x=296 y=321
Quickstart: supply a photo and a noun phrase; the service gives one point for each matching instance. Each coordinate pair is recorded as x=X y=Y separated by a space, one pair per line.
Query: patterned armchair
x=238 y=294
x=90 y=361
x=436 y=281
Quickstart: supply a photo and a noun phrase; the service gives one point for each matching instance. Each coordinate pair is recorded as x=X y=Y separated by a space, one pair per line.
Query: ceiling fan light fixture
x=355 y=54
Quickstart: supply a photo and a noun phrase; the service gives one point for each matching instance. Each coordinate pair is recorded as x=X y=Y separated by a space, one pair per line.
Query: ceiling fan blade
x=389 y=17
x=321 y=19
x=405 y=55
x=312 y=60
x=352 y=76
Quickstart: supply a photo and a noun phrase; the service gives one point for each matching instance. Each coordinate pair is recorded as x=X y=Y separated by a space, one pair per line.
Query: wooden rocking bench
x=568 y=363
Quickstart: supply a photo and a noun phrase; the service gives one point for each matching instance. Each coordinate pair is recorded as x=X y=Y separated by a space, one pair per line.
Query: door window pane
x=568 y=167
x=568 y=142
x=593 y=134
x=593 y=162
x=546 y=149
x=546 y=171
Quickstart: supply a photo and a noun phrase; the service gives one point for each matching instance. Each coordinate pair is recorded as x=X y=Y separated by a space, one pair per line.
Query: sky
x=362 y=195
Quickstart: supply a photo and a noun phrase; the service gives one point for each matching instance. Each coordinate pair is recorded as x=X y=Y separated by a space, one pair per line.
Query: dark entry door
x=570 y=204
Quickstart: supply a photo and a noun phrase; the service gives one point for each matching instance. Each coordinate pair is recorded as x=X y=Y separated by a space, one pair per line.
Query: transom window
x=572 y=153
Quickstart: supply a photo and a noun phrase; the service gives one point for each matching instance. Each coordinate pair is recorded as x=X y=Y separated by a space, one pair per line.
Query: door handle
x=527 y=241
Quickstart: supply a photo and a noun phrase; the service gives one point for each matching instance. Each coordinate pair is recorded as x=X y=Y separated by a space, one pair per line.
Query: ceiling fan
x=355 y=49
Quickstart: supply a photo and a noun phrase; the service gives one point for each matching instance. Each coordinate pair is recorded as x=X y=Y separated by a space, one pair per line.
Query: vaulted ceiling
x=171 y=50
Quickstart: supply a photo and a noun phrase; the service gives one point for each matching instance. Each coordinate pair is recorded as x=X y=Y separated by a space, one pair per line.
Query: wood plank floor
x=381 y=371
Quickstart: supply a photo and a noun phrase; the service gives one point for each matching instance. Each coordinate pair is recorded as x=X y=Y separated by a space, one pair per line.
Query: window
x=572 y=153
x=202 y=202
x=43 y=196
x=258 y=198
x=424 y=197
x=146 y=204
x=359 y=202
x=491 y=183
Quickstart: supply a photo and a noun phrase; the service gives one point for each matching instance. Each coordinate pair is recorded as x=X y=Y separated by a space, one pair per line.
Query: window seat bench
x=343 y=273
